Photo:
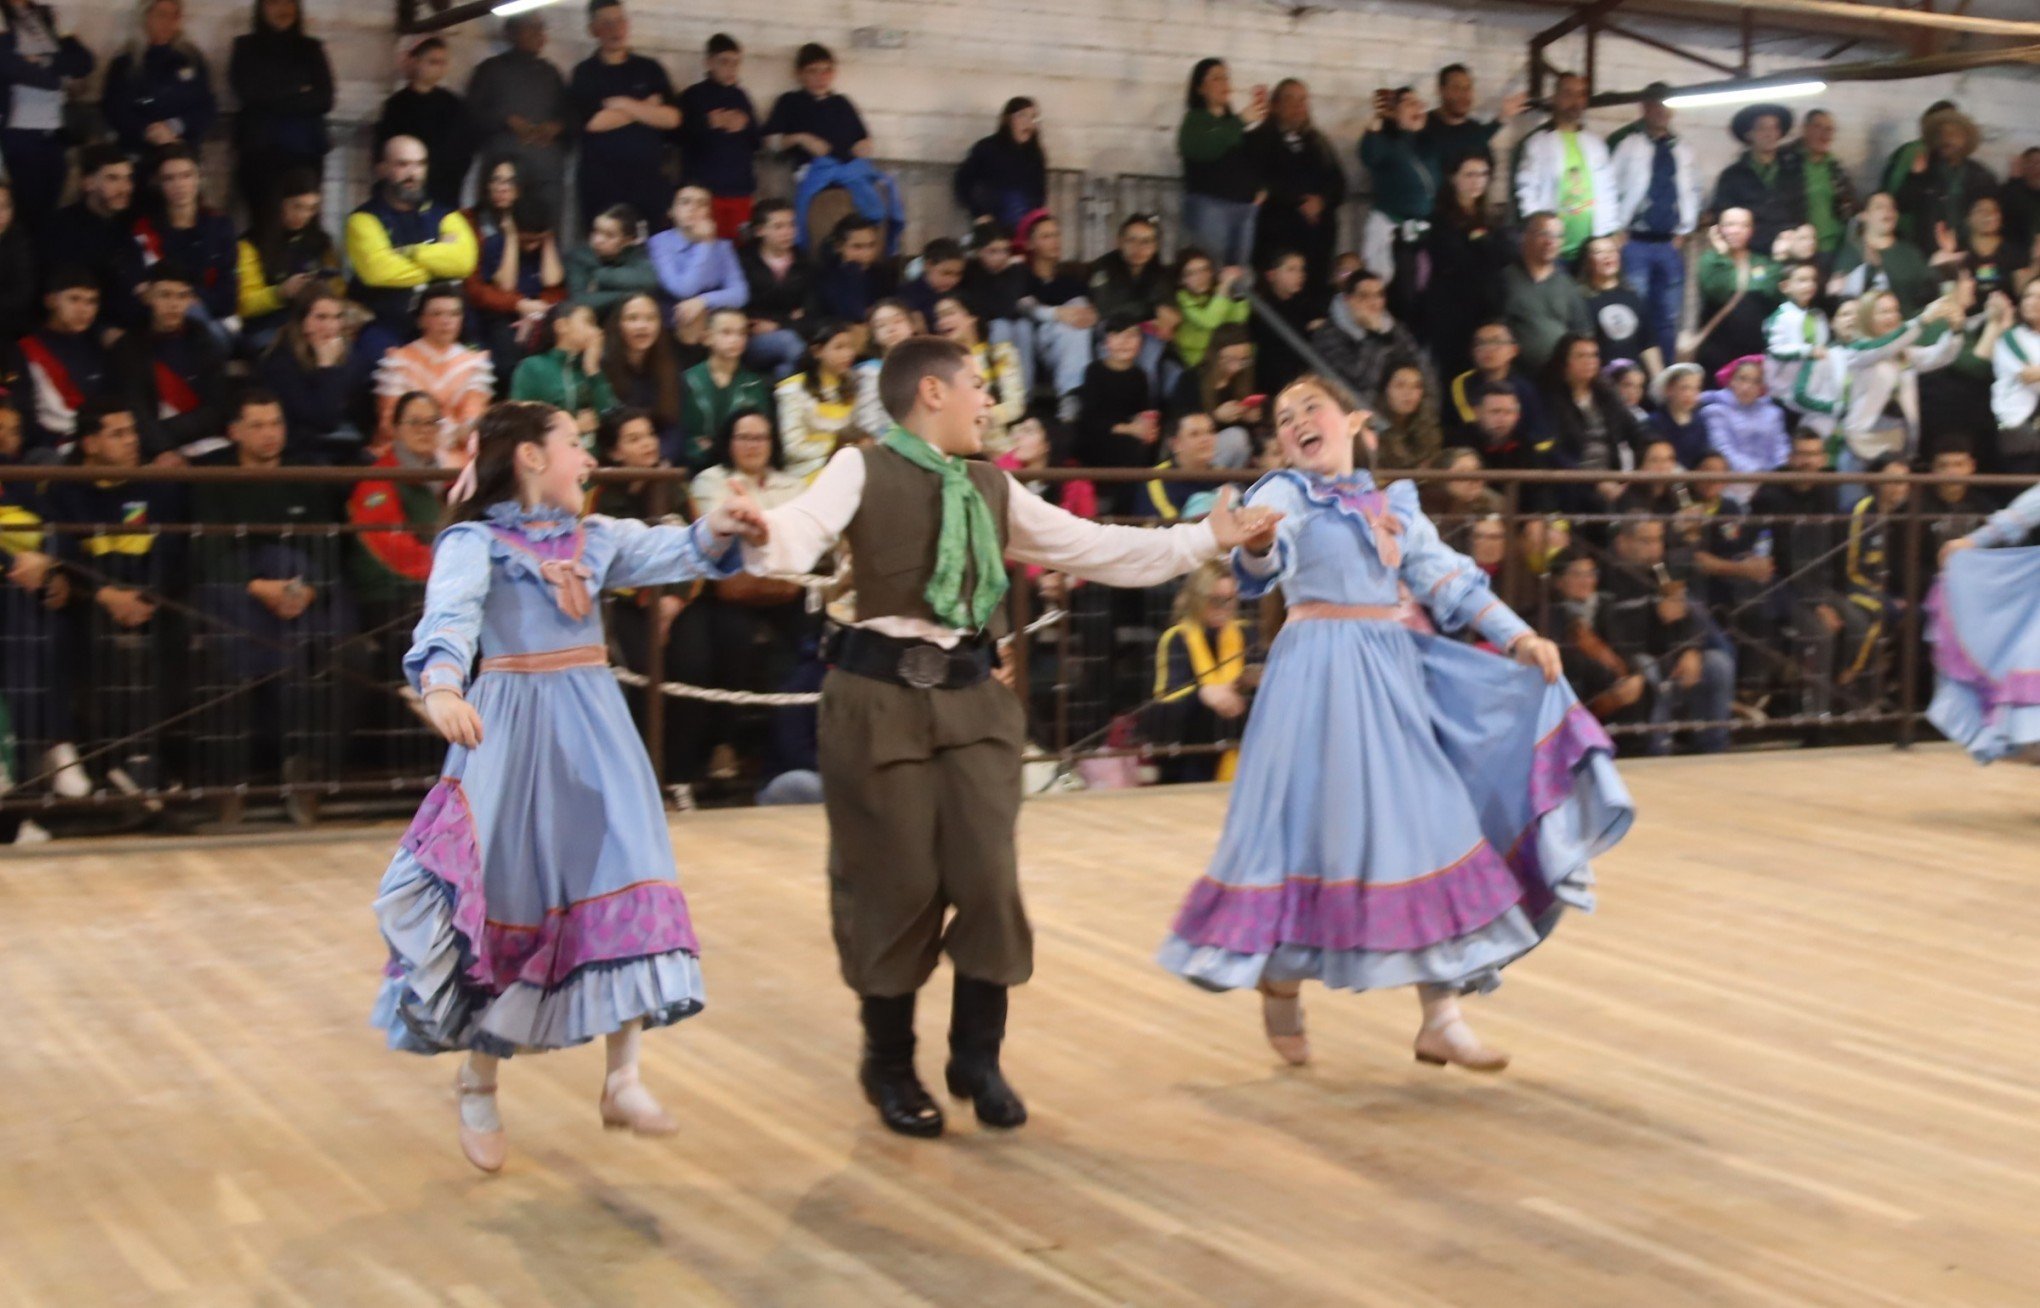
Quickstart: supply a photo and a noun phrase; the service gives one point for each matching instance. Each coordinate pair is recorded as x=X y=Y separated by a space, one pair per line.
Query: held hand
x=739 y=515
x=30 y=569
x=1954 y=547
x=1513 y=104
x=1536 y=652
x=453 y=717
x=1252 y=528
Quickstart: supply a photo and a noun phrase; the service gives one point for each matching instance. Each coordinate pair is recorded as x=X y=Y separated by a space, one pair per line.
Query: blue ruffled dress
x=1408 y=809
x=1984 y=622
x=532 y=904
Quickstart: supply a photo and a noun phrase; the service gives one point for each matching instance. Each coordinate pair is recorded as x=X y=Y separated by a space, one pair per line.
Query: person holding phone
x=1222 y=189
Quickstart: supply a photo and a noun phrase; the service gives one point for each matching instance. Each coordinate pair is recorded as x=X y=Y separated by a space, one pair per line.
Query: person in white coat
x=1657 y=204
x=1563 y=168
x=2015 y=392
x=1866 y=393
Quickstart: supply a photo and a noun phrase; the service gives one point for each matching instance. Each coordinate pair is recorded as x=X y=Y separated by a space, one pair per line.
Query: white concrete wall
x=1110 y=73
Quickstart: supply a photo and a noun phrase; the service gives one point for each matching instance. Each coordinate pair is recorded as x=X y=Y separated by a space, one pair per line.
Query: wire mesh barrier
x=160 y=669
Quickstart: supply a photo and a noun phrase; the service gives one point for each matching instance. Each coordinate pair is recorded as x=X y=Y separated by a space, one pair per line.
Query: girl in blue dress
x=1985 y=626
x=1409 y=811
x=532 y=904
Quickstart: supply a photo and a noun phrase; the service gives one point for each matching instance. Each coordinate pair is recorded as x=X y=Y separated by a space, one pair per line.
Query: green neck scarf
x=969 y=541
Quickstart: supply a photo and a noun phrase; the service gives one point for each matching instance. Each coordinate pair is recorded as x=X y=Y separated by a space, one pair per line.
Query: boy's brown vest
x=892 y=536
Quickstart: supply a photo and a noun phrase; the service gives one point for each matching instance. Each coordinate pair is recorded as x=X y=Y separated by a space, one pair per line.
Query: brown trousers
x=922 y=789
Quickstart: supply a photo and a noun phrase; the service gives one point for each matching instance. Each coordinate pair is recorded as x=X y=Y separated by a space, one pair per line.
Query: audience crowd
x=1522 y=294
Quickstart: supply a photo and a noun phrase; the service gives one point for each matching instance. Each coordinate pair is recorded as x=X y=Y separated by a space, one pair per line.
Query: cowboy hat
x=1746 y=119
x=1931 y=125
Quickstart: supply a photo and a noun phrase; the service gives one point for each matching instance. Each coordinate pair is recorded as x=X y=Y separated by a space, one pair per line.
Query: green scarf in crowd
x=969 y=538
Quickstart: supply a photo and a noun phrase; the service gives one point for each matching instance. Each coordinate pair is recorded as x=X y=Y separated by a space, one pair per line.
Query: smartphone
x=1254 y=401
x=1663 y=574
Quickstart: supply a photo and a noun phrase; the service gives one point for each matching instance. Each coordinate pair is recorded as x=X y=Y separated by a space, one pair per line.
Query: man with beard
x=400 y=240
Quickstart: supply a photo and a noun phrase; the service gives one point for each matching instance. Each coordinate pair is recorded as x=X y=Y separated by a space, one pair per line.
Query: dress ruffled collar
x=541 y=522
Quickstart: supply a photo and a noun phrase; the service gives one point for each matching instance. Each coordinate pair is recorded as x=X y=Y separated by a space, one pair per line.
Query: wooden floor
x=1792 y=1060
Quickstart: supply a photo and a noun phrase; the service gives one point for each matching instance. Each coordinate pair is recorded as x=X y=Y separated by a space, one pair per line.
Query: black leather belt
x=1653 y=238
x=917 y=664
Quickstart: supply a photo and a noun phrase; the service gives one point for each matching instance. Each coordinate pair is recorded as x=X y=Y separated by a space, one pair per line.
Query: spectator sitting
x=392 y=563
x=1494 y=364
x=745 y=454
x=18 y=272
x=1618 y=313
x=94 y=232
x=889 y=323
x=1499 y=432
x=1563 y=169
x=174 y=225
x=719 y=135
x=1205 y=305
x=643 y=367
x=1129 y=279
x=1577 y=621
x=1735 y=560
x=434 y=116
x=1409 y=435
x=697 y=269
x=33 y=592
x=1987 y=255
x=1224 y=387
x=1743 y=425
x=999 y=364
x=1655 y=499
x=1590 y=426
x=1955 y=508
x=1626 y=376
x=1033 y=450
x=1676 y=394
x=994 y=283
x=1652 y=624
x=1193 y=445
x=1306 y=186
x=781 y=280
x=322 y=378
x=1943 y=180
x=1221 y=185
x=66 y=364
x=611 y=265
x=1540 y=300
x=159 y=90
x=172 y=372
x=627 y=438
x=285 y=253
x=624 y=101
x=1794 y=335
x=283 y=84
x=1005 y=175
x=399 y=240
x=1360 y=337
x=520 y=105
x=942 y=265
x=1456 y=503
x=1873 y=606
x=1058 y=316
x=1117 y=423
x=816 y=403
x=1738 y=290
x=1876 y=258
x=518 y=274
x=1200 y=667
x=567 y=371
x=1276 y=362
x=1765 y=180
x=852 y=279
x=38 y=59
x=824 y=137
x=458 y=376
x=1458 y=284
x=719 y=386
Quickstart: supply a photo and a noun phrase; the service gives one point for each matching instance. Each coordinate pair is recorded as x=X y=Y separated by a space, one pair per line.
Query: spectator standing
x=718 y=387
x=720 y=135
x=1795 y=335
x=35 y=61
x=1451 y=132
x=172 y=371
x=1868 y=394
x=2015 y=391
x=285 y=253
x=65 y=361
x=825 y=139
x=1540 y=300
x=458 y=376
x=1563 y=169
x=95 y=232
x=781 y=282
x=624 y=102
x=697 y=269
x=175 y=224
x=611 y=265
x=1467 y=247
x=643 y=367
x=425 y=110
x=1765 y=179
x=1305 y=184
x=1987 y=255
x=1899 y=165
x=1005 y=175
x=322 y=378
x=159 y=89
x=284 y=86
x=1738 y=291
x=1943 y=180
x=1221 y=188
x=2019 y=199
x=1876 y=258
x=1658 y=202
x=399 y=241
x=1621 y=323
x=1360 y=337
x=1830 y=194
x=1405 y=185
x=521 y=110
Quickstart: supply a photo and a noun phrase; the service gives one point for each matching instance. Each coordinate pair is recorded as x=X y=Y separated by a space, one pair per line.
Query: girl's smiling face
x=1316 y=434
x=556 y=472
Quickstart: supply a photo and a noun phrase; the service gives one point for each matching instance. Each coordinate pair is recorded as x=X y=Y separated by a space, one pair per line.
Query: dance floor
x=1792 y=1060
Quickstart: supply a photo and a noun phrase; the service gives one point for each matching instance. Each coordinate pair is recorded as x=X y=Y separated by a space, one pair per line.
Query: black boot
x=887 y=1072
x=977 y=1026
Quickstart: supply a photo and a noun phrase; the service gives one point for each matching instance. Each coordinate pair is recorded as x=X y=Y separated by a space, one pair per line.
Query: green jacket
x=709 y=406
x=556 y=378
x=1203 y=315
x=602 y=285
